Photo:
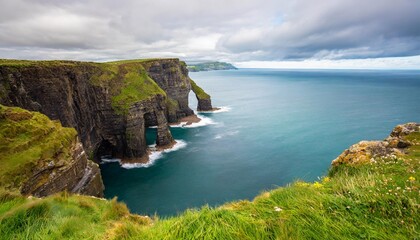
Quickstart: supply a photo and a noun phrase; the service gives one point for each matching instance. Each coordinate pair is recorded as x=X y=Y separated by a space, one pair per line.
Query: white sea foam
x=203 y=122
x=228 y=133
x=180 y=125
x=178 y=145
x=107 y=159
x=220 y=110
x=155 y=155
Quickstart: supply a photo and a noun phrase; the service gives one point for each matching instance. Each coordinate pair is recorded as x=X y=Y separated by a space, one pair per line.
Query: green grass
x=41 y=63
x=26 y=138
x=377 y=200
x=127 y=81
x=136 y=86
x=62 y=216
x=199 y=92
x=141 y=60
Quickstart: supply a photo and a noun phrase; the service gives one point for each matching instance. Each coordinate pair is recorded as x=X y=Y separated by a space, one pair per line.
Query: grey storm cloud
x=236 y=30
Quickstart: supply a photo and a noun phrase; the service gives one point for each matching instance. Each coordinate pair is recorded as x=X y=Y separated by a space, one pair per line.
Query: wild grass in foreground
x=376 y=200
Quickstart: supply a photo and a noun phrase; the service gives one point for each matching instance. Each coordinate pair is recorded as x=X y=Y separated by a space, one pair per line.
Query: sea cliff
x=109 y=104
x=371 y=192
x=39 y=157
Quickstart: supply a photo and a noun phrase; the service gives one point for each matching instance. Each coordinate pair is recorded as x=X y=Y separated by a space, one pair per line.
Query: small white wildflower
x=277 y=209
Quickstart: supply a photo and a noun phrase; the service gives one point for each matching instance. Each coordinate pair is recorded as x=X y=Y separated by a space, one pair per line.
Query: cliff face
x=78 y=175
x=40 y=157
x=172 y=76
x=109 y=104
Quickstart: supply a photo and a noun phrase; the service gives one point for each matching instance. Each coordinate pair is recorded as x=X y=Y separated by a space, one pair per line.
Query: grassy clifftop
x=27 y=138
x=127 y=81
x=375 y=199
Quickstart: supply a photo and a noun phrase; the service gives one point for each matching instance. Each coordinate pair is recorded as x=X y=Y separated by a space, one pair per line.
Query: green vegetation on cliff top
x=375 y=200
x=199 y=92
x=25 y=63
x=27 y=138
x=128 y=84
x=127 y=80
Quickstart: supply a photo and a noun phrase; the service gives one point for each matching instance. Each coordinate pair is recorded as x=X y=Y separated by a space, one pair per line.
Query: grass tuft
x=199 y=92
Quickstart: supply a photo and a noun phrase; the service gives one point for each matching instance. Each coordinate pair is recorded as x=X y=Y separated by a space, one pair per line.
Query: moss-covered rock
x=199 y=92
x=40 y=157
x=203 y=99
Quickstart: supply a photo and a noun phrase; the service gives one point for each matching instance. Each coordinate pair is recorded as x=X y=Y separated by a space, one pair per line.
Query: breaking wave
x=203 y=122
x=220 y=110
x=155 y=155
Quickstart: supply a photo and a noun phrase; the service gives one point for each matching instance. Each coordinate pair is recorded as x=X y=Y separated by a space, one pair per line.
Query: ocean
x=274 y=127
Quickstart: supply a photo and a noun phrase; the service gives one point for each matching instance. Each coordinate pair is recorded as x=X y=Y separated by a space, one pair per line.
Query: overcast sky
x=249 y=33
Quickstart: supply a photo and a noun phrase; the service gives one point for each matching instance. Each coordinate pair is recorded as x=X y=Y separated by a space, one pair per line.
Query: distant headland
x=210 y=66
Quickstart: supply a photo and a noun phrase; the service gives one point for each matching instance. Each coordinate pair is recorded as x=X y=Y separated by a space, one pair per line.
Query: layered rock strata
x=78 y=175
x=40 y=157
x=173 y=78
x=109 y=104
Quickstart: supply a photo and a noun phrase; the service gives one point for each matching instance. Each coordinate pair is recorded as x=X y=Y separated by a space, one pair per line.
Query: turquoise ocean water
x=277 y=126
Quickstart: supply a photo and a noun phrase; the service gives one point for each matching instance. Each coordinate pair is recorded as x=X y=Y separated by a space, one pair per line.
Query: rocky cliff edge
x=109 y=104
x=40 y=157
x=393 y=146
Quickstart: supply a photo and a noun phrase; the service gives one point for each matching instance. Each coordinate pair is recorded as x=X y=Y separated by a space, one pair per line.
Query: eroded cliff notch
x=105 y=102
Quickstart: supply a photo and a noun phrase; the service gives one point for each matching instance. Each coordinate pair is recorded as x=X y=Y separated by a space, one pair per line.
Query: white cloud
x=238 y=30
x=368 y=63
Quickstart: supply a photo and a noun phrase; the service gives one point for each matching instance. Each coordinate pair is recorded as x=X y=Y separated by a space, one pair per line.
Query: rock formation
x=79 y=175
x=173 y=78
x=40 y=157
x=367 y=151
x=109 y=104
x=204 y=100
